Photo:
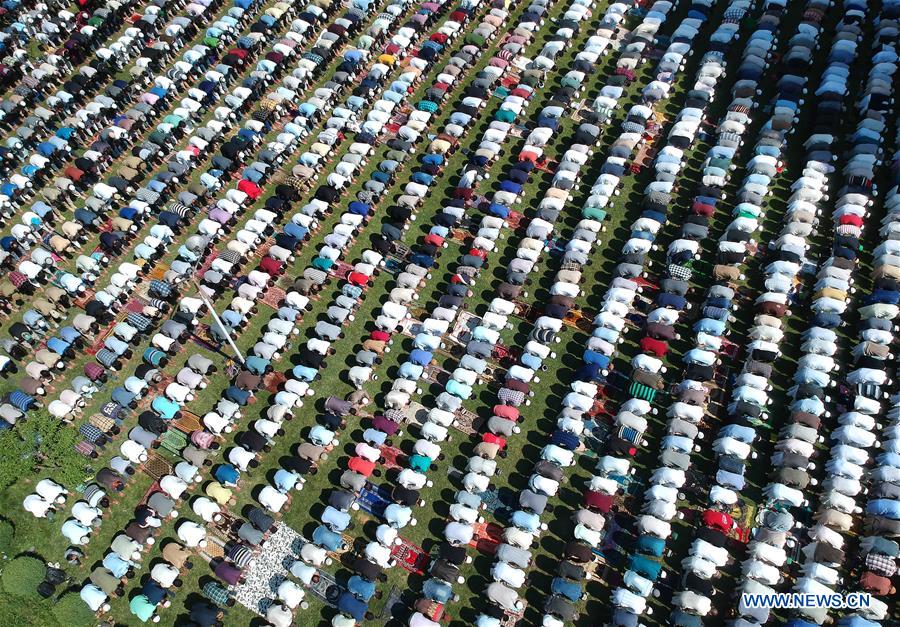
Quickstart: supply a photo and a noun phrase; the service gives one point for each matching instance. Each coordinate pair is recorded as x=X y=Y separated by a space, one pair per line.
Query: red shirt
x=703 y=209
x=490 y=438
x=434 y=240
x=718 y=520
x=852 y=219
x=875 y=584
x=250 y=188
x=361 y=465
x=94 y=371
x=598 y=501
x=271 y=266
x=506 y=411
x=517 y=386
x=358 y=278
x=385 y=424
x=380 y=336
x=657 y=347
x=18 y=278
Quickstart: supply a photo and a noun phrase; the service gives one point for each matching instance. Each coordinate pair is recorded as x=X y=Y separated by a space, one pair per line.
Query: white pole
x=222 y=327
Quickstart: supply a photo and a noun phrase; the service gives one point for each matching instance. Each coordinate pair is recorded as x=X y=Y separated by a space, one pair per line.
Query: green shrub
x=7 y=536
x=71 y=611
x=22 y=575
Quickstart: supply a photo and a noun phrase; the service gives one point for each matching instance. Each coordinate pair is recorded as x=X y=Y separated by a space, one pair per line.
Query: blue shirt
x=361 y=588
x=154 y=592
x=93 y=596
x=226 y=474
x=710 y=326
x=374 y=436
x=437 y=590
x=285 y=480
x=326 y=538
x=335 y=519
x=526 y=520
x=304 y=373
x=116 y=565
x=349 y=604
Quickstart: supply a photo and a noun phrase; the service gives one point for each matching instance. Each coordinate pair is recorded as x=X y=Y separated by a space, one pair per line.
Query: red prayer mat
x=341 y=269
x=410 y=557
x=487 y=537
x=207 y=263
x=514 y=219
x=390 y=455
x=134 y=306
x=642 y=282
x=272 y=381
x=84 y=298
x=599 y=409
x=104 y=333
x=154 y=487
x=273 y=297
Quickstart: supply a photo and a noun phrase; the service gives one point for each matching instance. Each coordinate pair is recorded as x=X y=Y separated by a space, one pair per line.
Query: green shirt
x=420 y=463
x=142 y=608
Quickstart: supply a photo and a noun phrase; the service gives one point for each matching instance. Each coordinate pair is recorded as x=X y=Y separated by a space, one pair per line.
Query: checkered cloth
x=682 y=273
x=106 y=357
x=139 y=321
x=17 y=278
x=216 y=593
x=510 y=397
x=881 y=564
x=160 y=288
x=147 y=195
x=90 y=432
x=85 y=448
x=104 y=423
x=734 y=15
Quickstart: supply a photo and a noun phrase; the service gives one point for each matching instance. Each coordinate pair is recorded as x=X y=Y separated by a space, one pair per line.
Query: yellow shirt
x=218 y=493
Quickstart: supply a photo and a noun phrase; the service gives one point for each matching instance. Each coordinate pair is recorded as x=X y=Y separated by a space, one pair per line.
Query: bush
x=7 y=535
x=71 y=611
x=22 y=575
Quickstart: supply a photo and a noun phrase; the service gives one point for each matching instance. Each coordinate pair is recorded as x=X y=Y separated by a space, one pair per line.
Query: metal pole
x=222 y=327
